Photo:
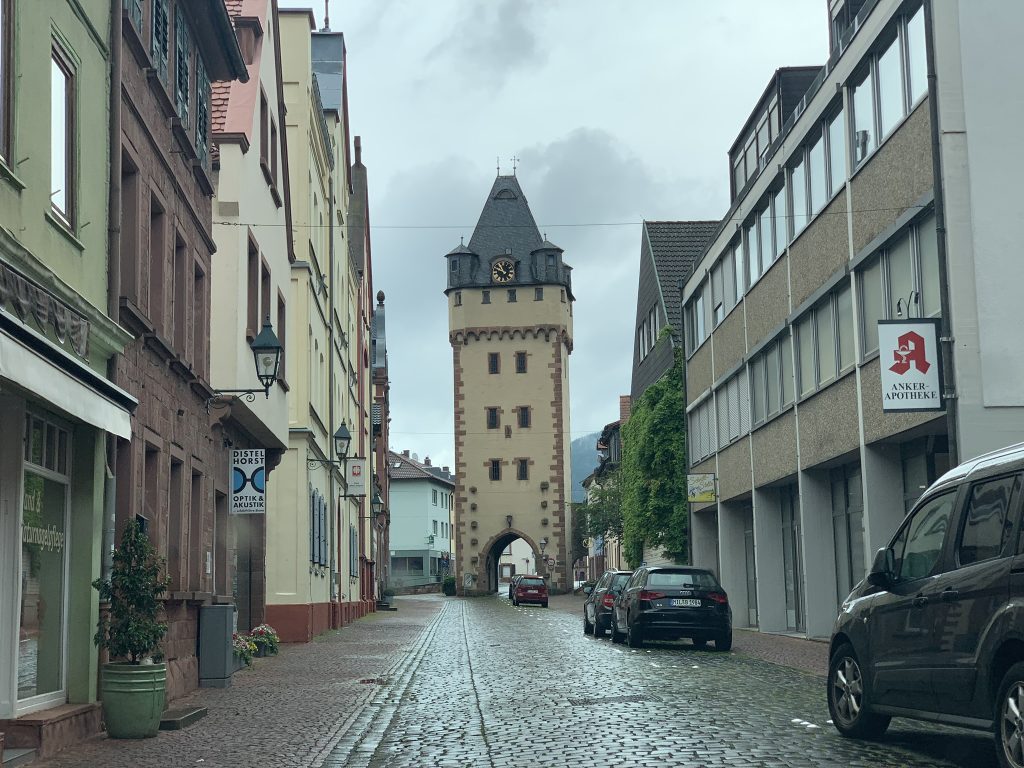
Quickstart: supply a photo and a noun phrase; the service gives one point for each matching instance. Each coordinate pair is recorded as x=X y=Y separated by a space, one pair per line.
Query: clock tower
x=510 y=326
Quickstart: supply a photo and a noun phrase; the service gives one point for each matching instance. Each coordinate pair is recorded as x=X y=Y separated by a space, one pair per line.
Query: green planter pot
x=133 y=699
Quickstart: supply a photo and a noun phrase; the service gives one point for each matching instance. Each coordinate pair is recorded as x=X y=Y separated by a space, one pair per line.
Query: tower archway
x=492 y=557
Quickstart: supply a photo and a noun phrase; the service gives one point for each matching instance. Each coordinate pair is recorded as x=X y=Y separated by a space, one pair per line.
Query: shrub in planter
x=448 y=585
x=266 y=639
x=132 y=686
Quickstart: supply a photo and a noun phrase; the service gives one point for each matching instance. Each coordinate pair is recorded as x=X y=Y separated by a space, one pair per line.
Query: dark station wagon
x=936 y=629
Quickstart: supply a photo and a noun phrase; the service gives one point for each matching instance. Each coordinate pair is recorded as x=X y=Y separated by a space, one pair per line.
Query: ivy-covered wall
x=653 y=471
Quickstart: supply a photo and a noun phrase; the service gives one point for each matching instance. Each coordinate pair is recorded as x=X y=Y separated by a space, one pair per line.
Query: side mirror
x=587 y=590
x=881 y=573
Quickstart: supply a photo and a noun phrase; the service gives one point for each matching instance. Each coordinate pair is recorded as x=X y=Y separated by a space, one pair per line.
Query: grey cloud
x=490 y=41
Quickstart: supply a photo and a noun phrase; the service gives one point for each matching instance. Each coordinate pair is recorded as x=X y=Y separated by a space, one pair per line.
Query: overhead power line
x=571 y=225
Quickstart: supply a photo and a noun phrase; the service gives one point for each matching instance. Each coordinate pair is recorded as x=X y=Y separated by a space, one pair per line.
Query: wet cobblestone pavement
x=488 y=684
x=460 y=683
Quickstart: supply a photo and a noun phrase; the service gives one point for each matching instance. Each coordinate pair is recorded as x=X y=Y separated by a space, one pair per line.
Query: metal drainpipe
x=330 y=380
x=686 y=437
x=946 y=339
x=113 y=271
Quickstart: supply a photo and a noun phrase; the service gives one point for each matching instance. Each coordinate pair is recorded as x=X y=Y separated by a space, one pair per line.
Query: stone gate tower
x=510 y=326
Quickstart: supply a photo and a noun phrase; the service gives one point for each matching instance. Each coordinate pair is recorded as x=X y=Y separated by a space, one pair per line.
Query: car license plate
x=686 y=602
x=531 y=591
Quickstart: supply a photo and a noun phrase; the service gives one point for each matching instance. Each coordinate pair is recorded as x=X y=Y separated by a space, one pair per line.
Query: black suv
x=598 y=607
x=936 y=629
x=672 y=602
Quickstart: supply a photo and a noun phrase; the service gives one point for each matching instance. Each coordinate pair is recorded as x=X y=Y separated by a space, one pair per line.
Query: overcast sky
x=618 y=111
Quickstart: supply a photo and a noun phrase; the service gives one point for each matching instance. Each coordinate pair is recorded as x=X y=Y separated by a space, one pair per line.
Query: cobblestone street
x=448 y=682
x=495 y=685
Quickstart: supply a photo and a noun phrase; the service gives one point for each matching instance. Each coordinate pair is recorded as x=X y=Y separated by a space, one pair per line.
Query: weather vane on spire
x=498 y=160
x=515 y=163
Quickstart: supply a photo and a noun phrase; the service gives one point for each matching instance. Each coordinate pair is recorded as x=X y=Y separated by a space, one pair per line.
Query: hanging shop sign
x=701 y=488
x=910 y=365
x=355 y=477
x=249 y=482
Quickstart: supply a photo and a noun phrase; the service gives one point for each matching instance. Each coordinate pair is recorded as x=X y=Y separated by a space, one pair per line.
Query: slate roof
x=548 y=245
x=675 y=247
x=506 y=223
x=402 y=467
x=458 y=249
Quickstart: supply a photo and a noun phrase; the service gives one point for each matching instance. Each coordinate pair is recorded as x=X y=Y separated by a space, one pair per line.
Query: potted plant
x=132 y=686
x=244 y=650
x=266 y=639
x=448 y=585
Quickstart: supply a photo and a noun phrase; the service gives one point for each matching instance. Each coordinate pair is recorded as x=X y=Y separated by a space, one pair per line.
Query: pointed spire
x=506 y=224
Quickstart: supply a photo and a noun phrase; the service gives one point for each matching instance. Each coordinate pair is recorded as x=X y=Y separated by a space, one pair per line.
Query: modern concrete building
x=510 y=326
x=60 y=413
x=421 y=522
x=869 y=194
x=251 y=280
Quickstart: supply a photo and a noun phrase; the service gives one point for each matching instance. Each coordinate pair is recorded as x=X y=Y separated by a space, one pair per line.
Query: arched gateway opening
x=504 y=559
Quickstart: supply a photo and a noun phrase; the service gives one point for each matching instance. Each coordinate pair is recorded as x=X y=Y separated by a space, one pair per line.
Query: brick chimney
x=405 y=453
x=625 y=407
x=426 y=461
x=446 y=470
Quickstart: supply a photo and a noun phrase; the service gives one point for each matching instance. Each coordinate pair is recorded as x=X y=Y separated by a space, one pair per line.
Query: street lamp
x=543 y=543
x=342 y=440
x=266 y=354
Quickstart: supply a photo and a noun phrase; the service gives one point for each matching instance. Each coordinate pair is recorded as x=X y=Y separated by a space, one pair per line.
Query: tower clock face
x=503 y=271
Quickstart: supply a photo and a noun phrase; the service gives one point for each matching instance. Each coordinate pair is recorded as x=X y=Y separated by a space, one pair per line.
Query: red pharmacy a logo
x=910 y=351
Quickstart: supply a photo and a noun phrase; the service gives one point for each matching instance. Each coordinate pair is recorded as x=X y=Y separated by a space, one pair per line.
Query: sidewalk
x=806 y=655
x=287 y=710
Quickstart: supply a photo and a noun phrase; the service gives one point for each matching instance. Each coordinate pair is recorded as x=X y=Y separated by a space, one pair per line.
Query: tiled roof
x=234 y=7
x=220 y=95
x=675 y=247
x=401 y=467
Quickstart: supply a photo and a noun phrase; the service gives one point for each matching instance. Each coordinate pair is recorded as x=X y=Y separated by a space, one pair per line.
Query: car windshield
x=531 y=582
x=681 y=579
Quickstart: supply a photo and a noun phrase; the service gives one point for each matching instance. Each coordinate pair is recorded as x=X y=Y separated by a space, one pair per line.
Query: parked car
x=531 y=589
x=597 y=609
x=512 y=584
x=668 y=603
x=934 y=631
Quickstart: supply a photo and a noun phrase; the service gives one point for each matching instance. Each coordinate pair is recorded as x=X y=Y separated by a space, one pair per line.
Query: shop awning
x=70 y=386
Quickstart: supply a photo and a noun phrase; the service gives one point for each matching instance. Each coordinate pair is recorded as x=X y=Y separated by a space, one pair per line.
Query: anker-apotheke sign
x=909 y=355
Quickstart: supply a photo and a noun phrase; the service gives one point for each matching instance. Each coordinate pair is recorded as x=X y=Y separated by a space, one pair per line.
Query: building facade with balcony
x=878 y=198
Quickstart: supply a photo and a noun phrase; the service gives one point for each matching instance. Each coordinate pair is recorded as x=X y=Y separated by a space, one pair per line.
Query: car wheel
x=544 y=604
x=634 y=637
x=701 y=643
x=515 y=602
x=724 y=641
x=848 y=697
x=1009 y=729
x=617 y=637
x=588 y=628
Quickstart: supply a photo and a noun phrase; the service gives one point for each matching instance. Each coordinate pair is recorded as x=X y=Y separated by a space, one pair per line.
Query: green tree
x=653 y=471
x=132 y=631
x=604 y=508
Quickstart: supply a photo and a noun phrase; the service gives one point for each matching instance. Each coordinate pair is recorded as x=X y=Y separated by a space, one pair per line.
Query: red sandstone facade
x=173 y=474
